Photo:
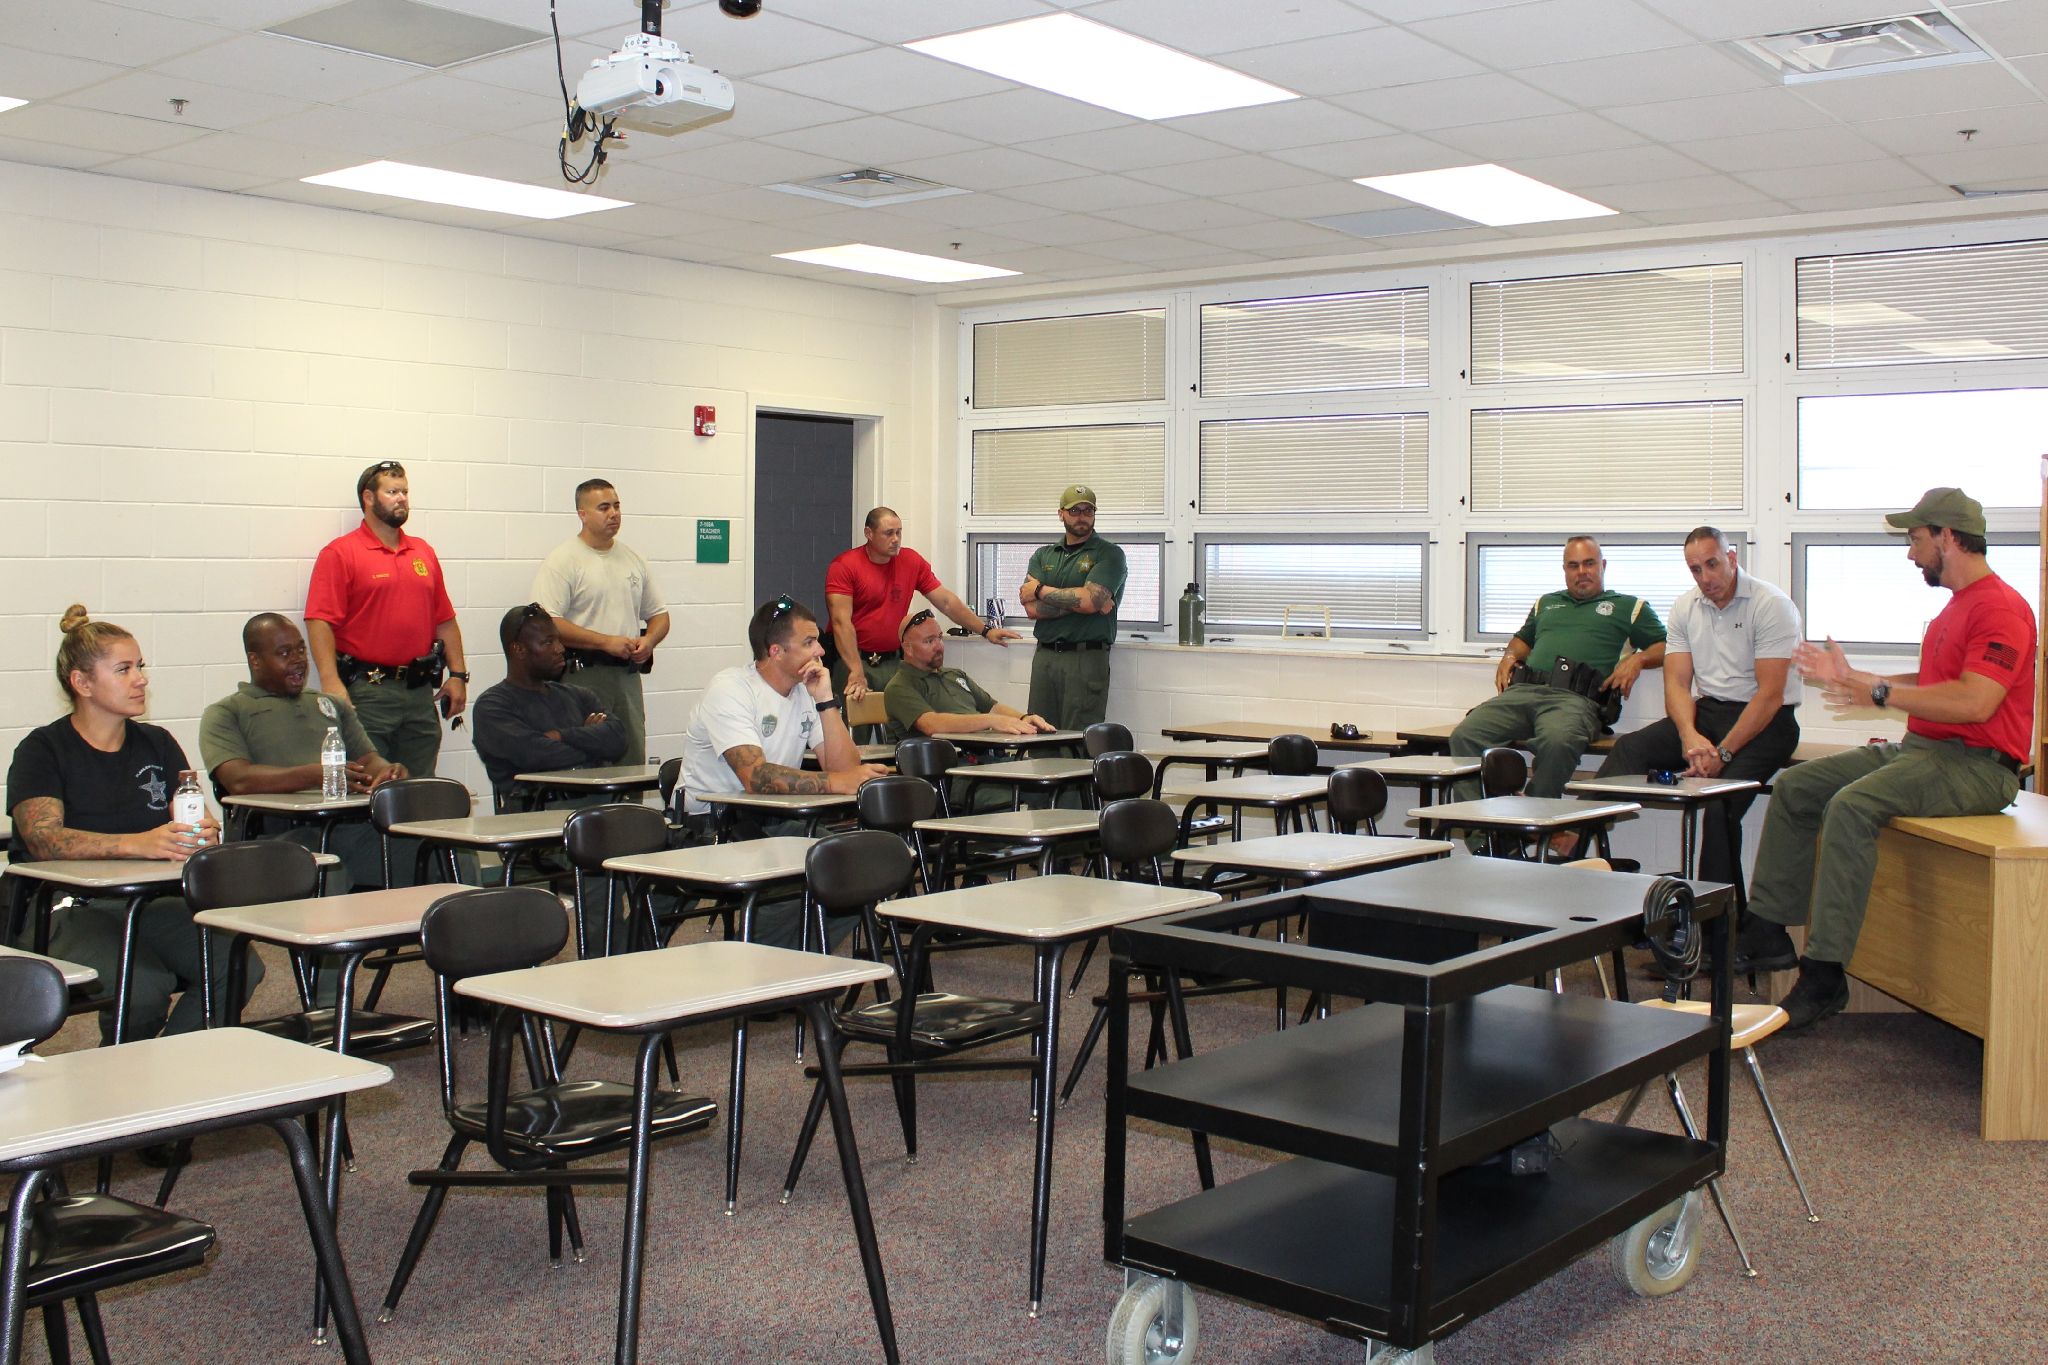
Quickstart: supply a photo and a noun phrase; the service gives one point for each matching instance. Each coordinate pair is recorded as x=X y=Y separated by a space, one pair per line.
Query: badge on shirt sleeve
x=1605 y=609
x=327 y=707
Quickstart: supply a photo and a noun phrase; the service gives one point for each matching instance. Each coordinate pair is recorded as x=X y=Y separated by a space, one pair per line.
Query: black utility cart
x=1417 y=1192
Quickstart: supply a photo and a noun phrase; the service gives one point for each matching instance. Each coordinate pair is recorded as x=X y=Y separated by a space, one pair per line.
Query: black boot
x=1821 y=991
x=1762 y=946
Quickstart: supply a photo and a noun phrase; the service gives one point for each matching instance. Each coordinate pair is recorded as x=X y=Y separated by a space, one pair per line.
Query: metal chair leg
x=1713 y=1186
x=1756 y=1073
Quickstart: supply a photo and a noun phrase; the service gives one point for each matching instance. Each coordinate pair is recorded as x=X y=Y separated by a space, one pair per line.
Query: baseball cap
x=1950 y=507
x=1077 y=493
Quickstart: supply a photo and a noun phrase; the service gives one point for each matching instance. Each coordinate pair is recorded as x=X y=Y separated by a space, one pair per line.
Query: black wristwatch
x=829 y=704
x=986 y=629
x=1880 y=693
x=1726 y=757
x=459 y=673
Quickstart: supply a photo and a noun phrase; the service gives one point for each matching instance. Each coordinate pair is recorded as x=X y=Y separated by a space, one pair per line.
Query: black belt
x=2005 y=759
x=1068 y=646
x=597 y=658
x=881 y=656
x=421 y=672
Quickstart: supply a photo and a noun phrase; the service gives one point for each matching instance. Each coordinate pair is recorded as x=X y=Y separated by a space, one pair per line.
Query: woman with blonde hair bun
x=97 y=783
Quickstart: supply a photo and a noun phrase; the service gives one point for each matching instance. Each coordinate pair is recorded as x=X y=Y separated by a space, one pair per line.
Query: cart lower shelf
x=1314 y=1239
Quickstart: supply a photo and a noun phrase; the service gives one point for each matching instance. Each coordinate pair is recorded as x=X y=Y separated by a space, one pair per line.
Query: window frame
x=1125 y=625
x=1740 y=537
x=1802 y=540
x=1424 y=540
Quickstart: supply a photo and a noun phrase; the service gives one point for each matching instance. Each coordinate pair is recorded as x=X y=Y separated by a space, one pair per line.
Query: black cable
x=1673 y=937
x=575 y=122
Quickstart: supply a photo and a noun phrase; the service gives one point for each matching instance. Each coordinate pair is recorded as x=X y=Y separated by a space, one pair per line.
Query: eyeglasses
x=914 y=622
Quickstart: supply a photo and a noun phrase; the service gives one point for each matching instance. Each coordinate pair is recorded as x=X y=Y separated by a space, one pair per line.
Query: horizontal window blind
x=1375 y=340
x=1369 y=588
x=1021 y=470
x=1927 y=307
x=1049 y=362
x=1881 y=450
x=999 y=565
x=1681 y=457
x=1685 y=320
x=1512 y=577
x=1377 y=463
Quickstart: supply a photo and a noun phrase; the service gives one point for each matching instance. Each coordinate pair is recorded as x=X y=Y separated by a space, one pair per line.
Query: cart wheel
x=1659 y=1255
x=1424 y=1354
x=1138 y=1329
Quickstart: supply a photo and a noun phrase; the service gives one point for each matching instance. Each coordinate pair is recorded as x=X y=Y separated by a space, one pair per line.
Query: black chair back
x=253 y=872
x=928 y=757
x=33 y=999
x=671 y=773
x=618 y=830
x=1119 y=776
x=1136 y=833
x=417 y=798
x=896 y=803
x=492 y=929
x=1503 y=772
x=1358 y=796
x=850 y=871
x=1291 y=756
x=1107 y=737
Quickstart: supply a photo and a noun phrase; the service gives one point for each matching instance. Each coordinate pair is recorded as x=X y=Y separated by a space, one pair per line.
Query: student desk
x=506 y=835
x=1368 y=741
x=625 y=780
x=1431 y=774
x=76 y=974
x=1308 y=858
x=809 y=807
x=1689 y=796
x=1286 y=797
x=1037 y=774
x=1214 y=756
x=1041 y=829
x=1530 y=816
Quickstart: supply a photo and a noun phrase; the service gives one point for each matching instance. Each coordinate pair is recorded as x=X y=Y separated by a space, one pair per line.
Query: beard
x=1932 y=573
x=393 y=519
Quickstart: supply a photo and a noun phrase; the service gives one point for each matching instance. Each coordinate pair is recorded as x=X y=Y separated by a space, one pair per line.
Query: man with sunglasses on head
x=607 y=609
x=535 y=722
x=381 y=627
x=927 y=698
x=867 y=591
x=1070 y=591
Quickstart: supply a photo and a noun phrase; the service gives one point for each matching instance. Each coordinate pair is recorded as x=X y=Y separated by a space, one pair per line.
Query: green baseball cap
x=1077 y=493
x=1950 y=507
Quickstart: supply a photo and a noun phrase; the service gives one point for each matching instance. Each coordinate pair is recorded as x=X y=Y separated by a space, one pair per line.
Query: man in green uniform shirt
x=1070 y=591
x=927 y=698
x=1583 y=629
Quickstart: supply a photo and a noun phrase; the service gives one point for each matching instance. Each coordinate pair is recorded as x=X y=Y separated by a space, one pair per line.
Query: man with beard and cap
x=376 y=607
x=265 y=736
x=533 y=721
x=1969 y=712
x=1070 y=591
x=1580 y=631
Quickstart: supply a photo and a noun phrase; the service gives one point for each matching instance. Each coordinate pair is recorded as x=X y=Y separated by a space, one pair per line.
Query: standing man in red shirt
x=375 y=610
x=1969 y=723
x=867 y=595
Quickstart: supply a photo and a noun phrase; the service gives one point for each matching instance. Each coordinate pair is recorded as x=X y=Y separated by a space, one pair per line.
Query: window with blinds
x=997 y=565
x=1377 y=463
x=1505 y=577
x=1375 y=340
x=1930 y=306
x=1631 y=324
x=1052 y=362
x=1367 y=586
x=1680 y=457
x=1861 y=591
x=1019 y=471
x=1882 y=449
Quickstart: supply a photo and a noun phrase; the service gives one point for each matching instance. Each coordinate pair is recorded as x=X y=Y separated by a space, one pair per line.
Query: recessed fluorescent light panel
x=424 y=183
x=1489 y=194
x=903 y=265
x=1823 y=54
x=1092 y=62
x=7 y=103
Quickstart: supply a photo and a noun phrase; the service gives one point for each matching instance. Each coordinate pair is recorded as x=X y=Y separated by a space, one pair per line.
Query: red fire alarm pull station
x=707 y=420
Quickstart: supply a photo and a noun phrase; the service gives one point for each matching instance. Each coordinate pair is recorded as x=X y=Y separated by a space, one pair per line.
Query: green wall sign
x=714 y=541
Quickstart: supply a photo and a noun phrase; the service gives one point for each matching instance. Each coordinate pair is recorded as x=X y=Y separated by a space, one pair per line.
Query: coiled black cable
x=1673 y=937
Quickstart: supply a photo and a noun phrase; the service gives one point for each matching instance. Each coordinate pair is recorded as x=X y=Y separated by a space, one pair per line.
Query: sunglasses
x=914 y=622
x=781 y=607
x=371 y=475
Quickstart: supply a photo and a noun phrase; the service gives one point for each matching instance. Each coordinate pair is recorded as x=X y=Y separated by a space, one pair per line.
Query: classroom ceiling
x=1640 y=105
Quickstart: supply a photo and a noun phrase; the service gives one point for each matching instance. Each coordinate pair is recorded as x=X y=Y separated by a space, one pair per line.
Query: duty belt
x=2005 y=759
x=421 y=672
x=597 y=658
x=881 y=656
x=1068 y=646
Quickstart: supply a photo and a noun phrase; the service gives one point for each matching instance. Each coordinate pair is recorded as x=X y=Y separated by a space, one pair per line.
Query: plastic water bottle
x=333 y=766
x=188 y=802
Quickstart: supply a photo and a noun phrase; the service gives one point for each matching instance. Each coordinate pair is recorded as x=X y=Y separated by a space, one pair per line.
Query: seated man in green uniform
x=927 y=698
x=1574 y=636
x=265 y=736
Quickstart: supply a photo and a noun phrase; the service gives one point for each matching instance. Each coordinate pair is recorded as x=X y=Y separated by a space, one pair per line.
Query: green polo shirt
x=277 y=732
x=1060 y=565
x=1592 y=631
x=912 y=692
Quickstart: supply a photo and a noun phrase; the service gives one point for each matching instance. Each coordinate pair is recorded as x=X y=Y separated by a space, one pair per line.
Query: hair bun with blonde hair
x=75 y=616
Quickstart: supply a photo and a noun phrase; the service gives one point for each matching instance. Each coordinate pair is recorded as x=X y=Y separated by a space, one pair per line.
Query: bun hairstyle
x=86 y=642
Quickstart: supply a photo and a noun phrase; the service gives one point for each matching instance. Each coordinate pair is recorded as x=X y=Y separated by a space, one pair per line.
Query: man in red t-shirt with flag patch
x=867 y=595
x=1969 y=724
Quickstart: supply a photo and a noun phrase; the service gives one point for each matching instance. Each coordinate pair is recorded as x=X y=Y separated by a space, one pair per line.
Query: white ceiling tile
x=1092 y=193
x=882 y=80
x=1428 y=105
x=873 y=141
x=892 y=21
x=762 y=206
x=101 y=32
x=1409 y=11
x=761 y=112
x=1068 y=229
x=1393 y=155
x=1645 y=162
x=2011 y=28
x=656 y=220
x=747 y=163
x=1643 y=77
x=991 y=168
x=1691 y=192
x=279 y=66
x=1754 y=18
x=1044 y=260
x=26 y=75
x=1934 y=134
x=767 y=42
x=642 y=183
x=35 y=151
x=1552 y=135
x=975 y=210
x=1272 y=235
x=369 y=137
x=1731 y=115
x=1553 y=31
x=531 y=69
x=253 y=155
x=1135 y=146
x=1154 y=249
x=180 y=173
x=1776 y=151
x=145 y=94
x=1315 y=201
x=466 y=106
x=1857 y=177
x=1721 y=213
x=1351 y=61
x=1207 y=27
x=1230 y=175
x=1875 y=199
x=1975 y=165
x=1186 y=215
x=95 y=131
x=1896 y=94
x=1016 y=115
x=1292 y=123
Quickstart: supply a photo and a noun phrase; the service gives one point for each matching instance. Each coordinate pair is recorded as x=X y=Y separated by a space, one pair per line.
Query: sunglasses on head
x=914 y=622
x=781 y=607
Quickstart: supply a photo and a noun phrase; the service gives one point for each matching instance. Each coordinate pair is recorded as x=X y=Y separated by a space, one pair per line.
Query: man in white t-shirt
x=607 y=610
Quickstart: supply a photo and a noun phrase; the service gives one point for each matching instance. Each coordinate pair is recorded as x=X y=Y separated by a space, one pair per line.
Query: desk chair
x=82 y=1245
x=895 y=805
x=929 y=757
x=615 y=830
x=1293 y=756
x=534 y=1134
x=868 y=719
x=665 y=779
x=1107 y=737
x=1358 y=796
x=411 y=798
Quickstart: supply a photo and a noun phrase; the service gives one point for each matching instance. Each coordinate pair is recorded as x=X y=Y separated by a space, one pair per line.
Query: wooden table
x=1049 y=915
x=1311 y=857
x=1286 y=797
x=1041 y=829
x=1436 y=739
x=506 y=835
x=629 y=779
x=809 y=807
x=1368 y=741
x=649 y=994
x=1533 y=816
x=1037 y=774
x=75 y=974
x=1688 y=796
x=1433 y=774
x=79 y=1105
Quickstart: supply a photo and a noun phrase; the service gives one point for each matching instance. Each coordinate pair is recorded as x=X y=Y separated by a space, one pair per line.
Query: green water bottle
x=1192 y=605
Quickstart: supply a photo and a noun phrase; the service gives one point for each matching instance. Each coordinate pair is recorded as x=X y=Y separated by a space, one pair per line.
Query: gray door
x=803 y=504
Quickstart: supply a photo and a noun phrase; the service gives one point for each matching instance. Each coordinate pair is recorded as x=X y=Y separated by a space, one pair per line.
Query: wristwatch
x=461 y=673
x=829 y=704
x=1726 y=757
x=986 y=629
x=1880 y=693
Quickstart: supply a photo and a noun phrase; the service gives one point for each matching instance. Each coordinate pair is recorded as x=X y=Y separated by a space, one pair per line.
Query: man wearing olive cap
x=1070 y=592
x=1969 y=723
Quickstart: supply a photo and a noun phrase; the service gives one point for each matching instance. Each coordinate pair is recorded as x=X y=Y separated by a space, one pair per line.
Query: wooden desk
x=1957 y=925
x=1368 y=741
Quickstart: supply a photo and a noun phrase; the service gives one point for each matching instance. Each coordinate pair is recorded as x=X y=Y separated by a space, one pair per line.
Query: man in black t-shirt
x=535 y=722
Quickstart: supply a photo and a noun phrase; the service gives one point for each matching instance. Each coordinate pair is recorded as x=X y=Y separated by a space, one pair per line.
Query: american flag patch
x=2000 y=655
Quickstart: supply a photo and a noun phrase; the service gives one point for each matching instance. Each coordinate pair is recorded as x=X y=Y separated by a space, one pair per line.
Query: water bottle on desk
x=333 y=766
x=188 y=802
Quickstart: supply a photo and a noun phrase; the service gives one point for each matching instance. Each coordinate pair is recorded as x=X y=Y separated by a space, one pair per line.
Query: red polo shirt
x=383 y=604
x=881 y=593
x=1985 y=628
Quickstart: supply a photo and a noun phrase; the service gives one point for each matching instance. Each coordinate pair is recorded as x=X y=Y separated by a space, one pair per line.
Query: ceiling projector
x=650 y=84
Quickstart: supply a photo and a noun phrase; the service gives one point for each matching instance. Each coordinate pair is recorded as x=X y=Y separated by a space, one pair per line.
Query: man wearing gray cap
x=1969 y=723
x=1070 y=592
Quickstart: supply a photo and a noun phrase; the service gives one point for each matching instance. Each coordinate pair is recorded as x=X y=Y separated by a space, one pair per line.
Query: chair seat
x=370 y=1032
x=945 y=1022
x=577 y=1118
x=1749 y=1024
x=87 y=1243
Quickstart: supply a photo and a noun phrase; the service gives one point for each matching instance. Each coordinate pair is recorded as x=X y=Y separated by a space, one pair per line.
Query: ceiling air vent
x=867 y=188
x=1907 y=43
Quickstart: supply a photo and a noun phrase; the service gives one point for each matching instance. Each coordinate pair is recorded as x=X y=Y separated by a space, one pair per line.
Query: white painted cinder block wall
x=190 y=383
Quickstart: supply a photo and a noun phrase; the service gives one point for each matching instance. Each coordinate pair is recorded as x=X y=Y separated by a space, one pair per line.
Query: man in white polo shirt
x=1731 y=699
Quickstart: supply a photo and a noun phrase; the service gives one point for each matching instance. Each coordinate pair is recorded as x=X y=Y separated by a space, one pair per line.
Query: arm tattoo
x=1094 y=595
x=40 y=820
x=763 y=778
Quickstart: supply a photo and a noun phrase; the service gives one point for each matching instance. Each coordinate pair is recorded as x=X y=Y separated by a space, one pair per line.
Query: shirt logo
x=1085 y=563
x=153 y=786
x=2001 y=656
x=964 y=685
x=327 y=708
x=1605 y=609
x=768 y=724
x=419 y=566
